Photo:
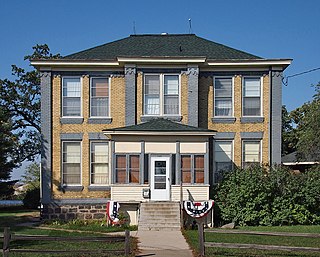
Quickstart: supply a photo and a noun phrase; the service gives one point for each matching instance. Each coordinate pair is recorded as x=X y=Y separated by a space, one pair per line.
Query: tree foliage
x=31 y=176
x=21 y=100
x=269 y=196
x=289 y=134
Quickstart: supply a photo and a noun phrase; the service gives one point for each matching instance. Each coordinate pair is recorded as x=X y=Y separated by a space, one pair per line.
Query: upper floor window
x=223 y=97
x=251 y=96
x=161 y=94
x=192 y=168
x=99 y=163
x=71 y=96
x=71 y=163
x=251 y=153
x=99 y=97
x=223 y=158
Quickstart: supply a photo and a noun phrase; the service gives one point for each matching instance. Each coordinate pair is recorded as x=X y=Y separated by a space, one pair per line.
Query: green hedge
x=269 y=196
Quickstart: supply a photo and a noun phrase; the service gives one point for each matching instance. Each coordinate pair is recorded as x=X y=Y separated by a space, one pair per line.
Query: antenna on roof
x=190 y=26
x=134 y=28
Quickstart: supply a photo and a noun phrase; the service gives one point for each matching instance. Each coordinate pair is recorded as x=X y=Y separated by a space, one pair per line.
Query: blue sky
x=270 y=29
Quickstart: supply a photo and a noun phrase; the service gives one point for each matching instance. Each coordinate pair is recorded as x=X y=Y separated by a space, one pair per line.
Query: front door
x=160 y=178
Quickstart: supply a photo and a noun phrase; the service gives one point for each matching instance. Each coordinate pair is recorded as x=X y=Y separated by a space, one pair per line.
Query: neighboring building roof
x=160 y=125
x=175 y=45
x=292 y=159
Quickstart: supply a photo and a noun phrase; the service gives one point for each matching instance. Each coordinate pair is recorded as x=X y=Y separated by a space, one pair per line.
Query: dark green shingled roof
x=175 y=45
x=160 y=124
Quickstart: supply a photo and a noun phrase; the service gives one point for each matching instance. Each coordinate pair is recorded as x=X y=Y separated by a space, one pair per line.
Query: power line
x=285 y=80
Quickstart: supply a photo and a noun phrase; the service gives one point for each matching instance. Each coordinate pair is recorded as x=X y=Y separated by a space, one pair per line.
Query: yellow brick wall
x=184 y=98
x=206 y=113
x=117 y=92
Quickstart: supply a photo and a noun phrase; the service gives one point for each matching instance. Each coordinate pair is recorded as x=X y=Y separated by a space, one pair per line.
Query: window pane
x=251 y=151
x=152 y=84
x=171 y=104
x=251 y=106
x=171 y=84
x=152 y=104
x=223 y=151
x=99 y=102
x=71 y=106
x=100 y=87
x=223 y=87
x=199 y=168
x=100 y=107
x=223 y=107
x=186 y=168
x=134 y=164
x=71 y=87
x=121 y=162
x=252 y=87
x=99 y=163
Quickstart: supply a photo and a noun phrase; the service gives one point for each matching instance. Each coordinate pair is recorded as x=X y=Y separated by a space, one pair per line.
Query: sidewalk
x=162 y=244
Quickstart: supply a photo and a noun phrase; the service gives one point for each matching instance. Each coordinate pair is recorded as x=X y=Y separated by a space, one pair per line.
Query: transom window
x=161 y=94
x=251 y=96
x=71 y=163
x=99 y=101
x=223 y=159
x=71 y=96
x=223 y=97
x=99 y=163
x=127 y=169
x=251 y=153
x=192 y=168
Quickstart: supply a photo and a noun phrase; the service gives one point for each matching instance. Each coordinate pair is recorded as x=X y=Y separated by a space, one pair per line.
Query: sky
x=269 y=29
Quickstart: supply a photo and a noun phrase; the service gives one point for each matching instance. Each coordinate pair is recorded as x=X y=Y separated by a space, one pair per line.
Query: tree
x=21 y=99
x=8 y=143
x=307 y=119
x=31 y=176
x=289 y=133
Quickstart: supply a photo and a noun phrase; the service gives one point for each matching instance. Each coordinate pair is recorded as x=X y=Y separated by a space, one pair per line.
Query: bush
x=32 y=198
x=269 y=196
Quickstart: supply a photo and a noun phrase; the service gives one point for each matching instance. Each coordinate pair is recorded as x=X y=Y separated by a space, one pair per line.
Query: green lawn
x=13 y=217
x=192 y=238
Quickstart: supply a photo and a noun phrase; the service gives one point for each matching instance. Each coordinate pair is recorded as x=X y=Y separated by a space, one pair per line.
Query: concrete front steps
x=159 y=216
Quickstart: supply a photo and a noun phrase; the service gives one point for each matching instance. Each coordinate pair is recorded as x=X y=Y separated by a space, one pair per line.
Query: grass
x=12 y=217
x=192 y=238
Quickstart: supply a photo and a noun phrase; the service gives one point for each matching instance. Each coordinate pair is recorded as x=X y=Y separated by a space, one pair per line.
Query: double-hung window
x=192 y=168
x=161 y=94
x=71 y=96
x=127 y=168
x=71 y=163
x=251 y=96
x=223 y=158
x=99 y=163
x=223 y=97
x=251 y=152
x=99 y=97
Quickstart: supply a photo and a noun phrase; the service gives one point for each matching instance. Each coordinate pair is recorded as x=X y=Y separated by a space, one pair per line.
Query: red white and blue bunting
x=197 y=209
x=113 y=211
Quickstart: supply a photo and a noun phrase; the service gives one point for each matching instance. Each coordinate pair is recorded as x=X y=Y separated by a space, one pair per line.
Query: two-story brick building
x=153 y=118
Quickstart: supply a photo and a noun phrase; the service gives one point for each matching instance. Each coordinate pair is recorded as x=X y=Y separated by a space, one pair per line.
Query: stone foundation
x=74 y=211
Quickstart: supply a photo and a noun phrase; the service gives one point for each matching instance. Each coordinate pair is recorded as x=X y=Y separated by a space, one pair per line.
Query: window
x=251 y=153
x=99 y=102
x=161 y=95
x=251 y=97
x=223 y=159
x=99 y=163
x=71 y=96
x=71 y=163
x=192 y=168
x=223 y=97
x=127 y=169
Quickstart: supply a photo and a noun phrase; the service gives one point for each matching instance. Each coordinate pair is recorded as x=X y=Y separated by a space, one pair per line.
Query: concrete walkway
x=162 y=244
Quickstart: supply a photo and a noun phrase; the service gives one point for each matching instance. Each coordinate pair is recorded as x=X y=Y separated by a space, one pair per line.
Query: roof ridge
x=162 y=34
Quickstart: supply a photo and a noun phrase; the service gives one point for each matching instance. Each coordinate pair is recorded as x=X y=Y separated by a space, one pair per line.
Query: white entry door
x=160 y=178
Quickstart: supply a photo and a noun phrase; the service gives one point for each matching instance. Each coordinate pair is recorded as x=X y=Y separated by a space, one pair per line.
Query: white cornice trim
x=160 y=133
x=161 y=60
x=73 y=63
x=284 y=62
x=299 y=163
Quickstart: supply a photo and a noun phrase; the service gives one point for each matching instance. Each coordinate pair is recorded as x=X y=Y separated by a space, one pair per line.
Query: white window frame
x=161 y=93
x=91 y=172
x=81 y=91
x=62 y=172
x=232 y=155
x=109 y=96
x=242 y=150
x=214 y=96
x=261 y=96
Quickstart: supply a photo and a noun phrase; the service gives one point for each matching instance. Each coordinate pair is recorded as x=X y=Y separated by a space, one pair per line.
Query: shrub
x=32 y=198
x=269 y=196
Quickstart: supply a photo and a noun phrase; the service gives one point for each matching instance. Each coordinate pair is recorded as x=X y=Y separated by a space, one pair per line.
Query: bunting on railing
x=113 y=211
x=198 y=209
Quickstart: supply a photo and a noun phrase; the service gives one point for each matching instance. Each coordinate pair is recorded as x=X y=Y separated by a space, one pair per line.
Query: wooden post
x=6 y=242
x=201 y=238
x=127 y=243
